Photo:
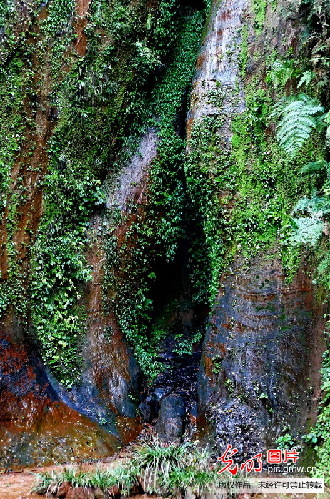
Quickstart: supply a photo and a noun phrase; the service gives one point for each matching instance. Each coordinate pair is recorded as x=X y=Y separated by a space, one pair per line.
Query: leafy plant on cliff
x=154 y=237
x=297 y=117
x=311 y=225
x=319 y=435
x=100 y=98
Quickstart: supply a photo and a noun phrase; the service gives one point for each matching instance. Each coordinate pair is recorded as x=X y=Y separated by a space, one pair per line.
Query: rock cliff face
x=39 y=418
x=261 y=355
x=145 y=263
x=77 y=264
x=36 y=426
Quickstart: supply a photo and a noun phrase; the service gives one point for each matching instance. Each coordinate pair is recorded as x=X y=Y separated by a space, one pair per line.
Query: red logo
x=229 y=461
x=274 y=456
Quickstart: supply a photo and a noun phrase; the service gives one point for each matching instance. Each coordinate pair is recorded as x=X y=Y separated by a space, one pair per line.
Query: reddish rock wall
x=261 y=356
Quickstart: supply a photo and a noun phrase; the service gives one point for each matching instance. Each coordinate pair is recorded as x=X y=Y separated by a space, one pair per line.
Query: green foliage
x=319 y=437
x=306 y=78
x=313 y=167
x=15 y=79
x=217 y=365
x=298 y=116
x=58 y=320
x=319 y=9
x=257 y=182
x=259 y=8
x=167 y=469
x=59 y=268
x=57 y=32
x=301 y=116
x=244 y=55
x=281 y=72
x=310 y=227
x=185 y=345
x=208 y=250
x=155 y=235
x=311 y=437
x=8 y=15
x=122 y=476
x=285 y=441
x=308 y=230
x=59 y=19
x=101 y=98
x=162 y=469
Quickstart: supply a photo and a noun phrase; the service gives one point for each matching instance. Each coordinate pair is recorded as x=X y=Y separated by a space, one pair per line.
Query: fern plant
x=281 y=72
x=310 y=225
x=298 y=116
x=315 y=167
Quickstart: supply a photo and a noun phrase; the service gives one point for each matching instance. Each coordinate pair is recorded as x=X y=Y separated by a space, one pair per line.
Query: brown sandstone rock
x=114 y=492
x=63 y=489
x=80 y=493
x=98 y=493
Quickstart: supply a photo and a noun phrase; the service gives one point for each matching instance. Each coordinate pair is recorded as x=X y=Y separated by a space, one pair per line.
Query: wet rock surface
x=170 y=418
x=260 y=341
x=80 y=493
x=258 y=356
x=35 y=425
x=171 y=402
x=263 y=335
x=217 y=72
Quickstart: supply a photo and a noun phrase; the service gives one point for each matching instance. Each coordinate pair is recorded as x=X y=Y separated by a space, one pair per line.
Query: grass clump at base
x=154 y=468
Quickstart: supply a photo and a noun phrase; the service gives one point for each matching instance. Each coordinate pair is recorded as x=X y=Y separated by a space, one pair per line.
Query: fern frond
x=326 y=120
x=315 y=166
x=316 y=206
x=306 y=78
x=327 y=136
x=298 y=117
x=308 y=230
x=310 y=225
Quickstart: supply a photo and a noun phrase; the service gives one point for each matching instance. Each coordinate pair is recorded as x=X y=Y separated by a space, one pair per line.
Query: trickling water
x=218 y=66
x=255 y=351
x=128 y=186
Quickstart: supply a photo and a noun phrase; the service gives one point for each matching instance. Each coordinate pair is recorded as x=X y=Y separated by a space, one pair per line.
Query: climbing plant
x=156 y=233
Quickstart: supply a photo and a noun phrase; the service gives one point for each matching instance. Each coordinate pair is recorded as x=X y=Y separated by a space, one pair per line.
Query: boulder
x=169 y=425
x=63 y=489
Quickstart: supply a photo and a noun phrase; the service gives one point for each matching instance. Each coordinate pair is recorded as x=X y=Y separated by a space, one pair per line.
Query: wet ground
x=18 y=484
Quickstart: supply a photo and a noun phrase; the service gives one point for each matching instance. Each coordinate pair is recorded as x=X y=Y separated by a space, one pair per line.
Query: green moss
x=238 y=201
x=15 y=87
x=206 y=155
x=97 y=100
x=15 y=79
x=244 y=52
x=244 y=192
x=101 y=98
x=259 y=9
x=155 y=234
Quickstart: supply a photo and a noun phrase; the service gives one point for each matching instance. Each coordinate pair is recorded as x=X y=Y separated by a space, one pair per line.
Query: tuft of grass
x=124 y=477
x=165 y=469
x=159 y=468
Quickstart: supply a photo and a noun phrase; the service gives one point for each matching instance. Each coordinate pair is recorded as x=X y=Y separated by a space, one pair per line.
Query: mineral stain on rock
x=257 y=366
x=256 y=369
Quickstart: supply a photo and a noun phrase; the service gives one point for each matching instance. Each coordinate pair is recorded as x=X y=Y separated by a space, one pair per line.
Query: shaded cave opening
x=170 y=403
